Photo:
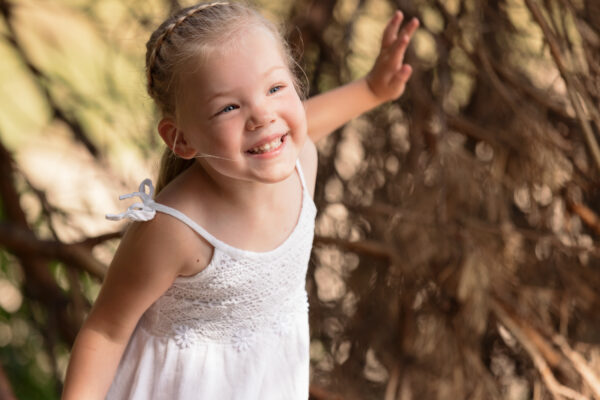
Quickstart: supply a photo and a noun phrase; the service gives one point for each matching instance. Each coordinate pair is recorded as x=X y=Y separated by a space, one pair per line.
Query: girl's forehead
x=245 y=53
x=240 y=62
x=255 y=38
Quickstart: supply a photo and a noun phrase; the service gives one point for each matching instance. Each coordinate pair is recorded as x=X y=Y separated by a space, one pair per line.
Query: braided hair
x=164 y=32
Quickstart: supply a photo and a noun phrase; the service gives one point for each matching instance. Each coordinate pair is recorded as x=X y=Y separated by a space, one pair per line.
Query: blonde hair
x=184 y=36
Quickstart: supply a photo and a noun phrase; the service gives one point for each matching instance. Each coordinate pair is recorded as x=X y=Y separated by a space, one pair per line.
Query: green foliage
x=28 y=380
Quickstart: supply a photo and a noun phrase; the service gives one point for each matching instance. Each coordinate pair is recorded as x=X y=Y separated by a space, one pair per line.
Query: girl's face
x=240 y=106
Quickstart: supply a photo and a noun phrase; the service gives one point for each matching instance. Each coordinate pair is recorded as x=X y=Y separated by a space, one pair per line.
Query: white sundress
x=236 y=330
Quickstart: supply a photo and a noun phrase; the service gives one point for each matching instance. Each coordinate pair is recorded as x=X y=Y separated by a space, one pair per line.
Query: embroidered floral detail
x=282 y=325
x=241 y=297
x=185 y=336
x=242 y=340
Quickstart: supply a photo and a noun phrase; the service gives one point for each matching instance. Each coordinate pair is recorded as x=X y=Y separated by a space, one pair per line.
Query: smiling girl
x=205 y=296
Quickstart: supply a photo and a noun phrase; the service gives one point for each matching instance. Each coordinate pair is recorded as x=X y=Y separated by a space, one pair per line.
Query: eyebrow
x=226 y=92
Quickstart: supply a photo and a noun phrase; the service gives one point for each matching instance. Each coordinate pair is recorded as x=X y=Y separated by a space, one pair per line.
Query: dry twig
x=558 y=390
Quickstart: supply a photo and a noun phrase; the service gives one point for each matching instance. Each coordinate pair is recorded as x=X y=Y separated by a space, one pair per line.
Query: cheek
x=223 y=136
x=297 y=115
x=222 y=145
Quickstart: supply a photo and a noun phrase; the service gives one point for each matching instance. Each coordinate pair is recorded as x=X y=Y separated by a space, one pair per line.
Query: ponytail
x=170 y=167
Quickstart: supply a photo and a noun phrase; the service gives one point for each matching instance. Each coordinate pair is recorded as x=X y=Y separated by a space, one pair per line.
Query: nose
x=261 y=115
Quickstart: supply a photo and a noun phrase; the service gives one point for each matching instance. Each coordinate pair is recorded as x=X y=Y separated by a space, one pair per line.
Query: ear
x=175 y=139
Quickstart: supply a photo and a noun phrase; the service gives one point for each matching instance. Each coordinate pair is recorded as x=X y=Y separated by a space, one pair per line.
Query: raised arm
x=386 y=81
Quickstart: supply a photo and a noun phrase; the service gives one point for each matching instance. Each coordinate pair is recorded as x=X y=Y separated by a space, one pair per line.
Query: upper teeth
x=268 y=146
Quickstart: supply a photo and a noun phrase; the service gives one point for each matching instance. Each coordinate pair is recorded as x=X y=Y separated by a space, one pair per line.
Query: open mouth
x=267 y=147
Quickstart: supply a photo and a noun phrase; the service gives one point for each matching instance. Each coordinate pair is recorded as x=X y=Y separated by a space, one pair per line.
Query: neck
x=236 y=192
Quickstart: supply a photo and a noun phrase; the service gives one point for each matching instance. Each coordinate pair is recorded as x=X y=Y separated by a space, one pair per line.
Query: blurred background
x=456 y=248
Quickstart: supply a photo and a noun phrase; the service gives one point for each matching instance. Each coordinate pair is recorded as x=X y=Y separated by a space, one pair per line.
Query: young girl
x=206 y=299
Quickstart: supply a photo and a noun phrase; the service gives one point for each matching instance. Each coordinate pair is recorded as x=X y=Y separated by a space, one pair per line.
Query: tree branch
x=78 y=255
x=569 y=82
x=538 y=355
x=580 y=365
x=364 y=247
x=39 y=77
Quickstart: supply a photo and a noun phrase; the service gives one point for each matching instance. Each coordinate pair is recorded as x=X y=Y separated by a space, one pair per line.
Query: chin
x=277 y=176
x=277 y=169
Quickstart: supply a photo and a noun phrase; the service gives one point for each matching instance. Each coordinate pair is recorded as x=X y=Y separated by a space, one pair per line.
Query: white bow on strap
x=144 y=211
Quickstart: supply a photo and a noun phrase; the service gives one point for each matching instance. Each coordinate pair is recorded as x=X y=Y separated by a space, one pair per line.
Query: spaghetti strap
x=189 y=222
x=146 y=210
x=301 y=175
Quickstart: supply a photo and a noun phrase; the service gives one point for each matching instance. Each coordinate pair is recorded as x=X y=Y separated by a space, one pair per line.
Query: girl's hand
x=387 y=79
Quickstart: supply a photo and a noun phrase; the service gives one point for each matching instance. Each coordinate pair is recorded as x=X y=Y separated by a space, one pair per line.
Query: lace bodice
x=240 y=294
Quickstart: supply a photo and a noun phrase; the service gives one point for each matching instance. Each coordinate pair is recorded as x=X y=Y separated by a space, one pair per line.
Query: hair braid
x=168 y=30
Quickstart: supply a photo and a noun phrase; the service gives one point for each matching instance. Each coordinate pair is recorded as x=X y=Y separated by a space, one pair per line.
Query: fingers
x=390 y=34
x=387 y=79
x=399 y=80
x=411 y=27
x=402 y=76
x=399 y=47
x=398 y=51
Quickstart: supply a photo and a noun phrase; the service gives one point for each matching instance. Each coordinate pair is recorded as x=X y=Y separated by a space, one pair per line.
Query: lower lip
x=271 y=153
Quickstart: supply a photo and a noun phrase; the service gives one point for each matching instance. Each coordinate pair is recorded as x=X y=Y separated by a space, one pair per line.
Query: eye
x=275 y=89
x=227 y=109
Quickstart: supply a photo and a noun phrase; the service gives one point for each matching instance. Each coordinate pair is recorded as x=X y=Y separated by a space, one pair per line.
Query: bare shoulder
x=145 y=265
x=308 y=160
x=163 y=243
x=195 y=252
x=152 y=250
